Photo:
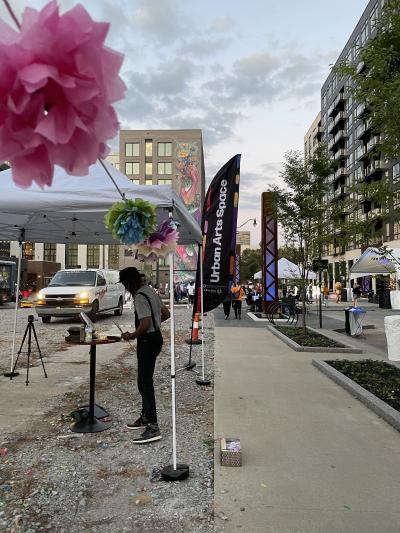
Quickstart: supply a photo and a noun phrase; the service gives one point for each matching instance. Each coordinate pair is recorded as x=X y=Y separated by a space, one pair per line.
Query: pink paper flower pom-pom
x=57 y=85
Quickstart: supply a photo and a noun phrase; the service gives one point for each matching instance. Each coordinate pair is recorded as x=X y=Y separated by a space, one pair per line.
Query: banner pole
x=203 y=381
x=173 y=472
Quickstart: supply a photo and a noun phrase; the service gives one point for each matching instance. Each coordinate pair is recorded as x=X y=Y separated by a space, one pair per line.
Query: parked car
x=72 y=291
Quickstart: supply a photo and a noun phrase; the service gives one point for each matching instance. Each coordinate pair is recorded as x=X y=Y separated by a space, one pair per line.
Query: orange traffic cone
x=194 y=339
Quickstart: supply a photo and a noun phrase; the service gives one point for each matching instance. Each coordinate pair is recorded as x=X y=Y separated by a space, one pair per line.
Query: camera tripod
x=28 y=331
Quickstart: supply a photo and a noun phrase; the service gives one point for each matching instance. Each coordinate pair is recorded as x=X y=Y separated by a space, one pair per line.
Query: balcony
x=338 y=101
x=377 y=165
x=373 y=142
x=340 y=154
x=341 y=134
x=363 y=155
x=364 y=130
x=341 y=172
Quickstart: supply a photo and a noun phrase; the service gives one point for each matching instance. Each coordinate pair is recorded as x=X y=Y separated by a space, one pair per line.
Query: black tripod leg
x=38 y=347
x=20 y=350
x=29 y=352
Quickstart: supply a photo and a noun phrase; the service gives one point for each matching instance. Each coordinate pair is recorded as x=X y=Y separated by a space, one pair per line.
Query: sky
x=248 y=73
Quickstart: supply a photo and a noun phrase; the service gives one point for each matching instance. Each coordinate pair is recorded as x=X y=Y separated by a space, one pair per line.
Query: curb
x=297 y=348
x=371 y=401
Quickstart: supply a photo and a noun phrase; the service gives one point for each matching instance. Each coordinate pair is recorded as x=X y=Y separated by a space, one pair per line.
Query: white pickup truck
x=72 y=291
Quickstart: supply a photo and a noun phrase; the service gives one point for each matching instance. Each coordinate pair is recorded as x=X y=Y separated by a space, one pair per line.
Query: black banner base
x=11 y=374
x=179 y=474
x=203 y=382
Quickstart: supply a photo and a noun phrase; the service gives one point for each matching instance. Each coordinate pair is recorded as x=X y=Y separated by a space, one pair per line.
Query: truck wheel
x=94 y=311
x=46 y=319
x=120 y=310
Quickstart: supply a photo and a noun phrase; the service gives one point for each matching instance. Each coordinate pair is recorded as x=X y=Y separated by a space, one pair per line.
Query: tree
x=376 y=79
x=301 y=210
x=250 y=263
x=289 y=253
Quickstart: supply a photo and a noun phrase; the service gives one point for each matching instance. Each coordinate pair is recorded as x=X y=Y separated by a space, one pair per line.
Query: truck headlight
x=82 y=298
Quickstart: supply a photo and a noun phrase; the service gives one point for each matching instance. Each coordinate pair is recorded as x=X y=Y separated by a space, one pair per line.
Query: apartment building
x=350 y=141
x=313 y=137
x=166 y=157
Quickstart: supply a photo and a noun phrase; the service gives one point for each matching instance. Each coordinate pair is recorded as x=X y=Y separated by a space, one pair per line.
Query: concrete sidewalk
x=314 y=458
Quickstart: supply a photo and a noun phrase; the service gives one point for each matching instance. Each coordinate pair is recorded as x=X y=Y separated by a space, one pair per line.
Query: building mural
x=188 y=186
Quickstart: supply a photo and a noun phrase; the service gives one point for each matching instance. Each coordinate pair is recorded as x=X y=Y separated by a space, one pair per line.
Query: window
x=132 y=169
x=374 y=17
x=165 y=149
x=148 y=182
x=71 y=255
x=49 y=252
x=4 y=248
x=101 y=280
x=28 y=250
x=164 y=168
x=149 y=147
x=93 y=256
x=149 y=169
x=135 y=181
x=396 y=171
x=364 y=33
x=113 y=256
x=166 y=181
x=132 y=149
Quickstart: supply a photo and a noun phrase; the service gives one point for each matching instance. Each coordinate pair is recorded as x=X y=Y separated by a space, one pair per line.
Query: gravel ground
x=55 y=480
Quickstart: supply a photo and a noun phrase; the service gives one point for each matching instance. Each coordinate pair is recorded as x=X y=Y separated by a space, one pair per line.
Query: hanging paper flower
x=57 y=84
x=131 y=221
x=158 y=244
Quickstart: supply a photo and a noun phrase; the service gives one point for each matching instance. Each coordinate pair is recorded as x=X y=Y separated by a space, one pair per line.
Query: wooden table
x=91 y=424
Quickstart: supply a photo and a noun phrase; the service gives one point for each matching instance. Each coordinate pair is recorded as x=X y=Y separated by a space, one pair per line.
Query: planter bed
x=375 y=383
x=378 y=377
x=308 y=339
x=313 y=342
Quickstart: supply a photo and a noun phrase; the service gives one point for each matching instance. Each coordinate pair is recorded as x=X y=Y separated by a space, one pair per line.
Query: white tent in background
x=370 y=263
x=72 y=211
x=288 y=270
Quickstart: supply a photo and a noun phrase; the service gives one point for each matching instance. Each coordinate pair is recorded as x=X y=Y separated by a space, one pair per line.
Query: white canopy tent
x=72 y=211
x=288 y=270
x=370 y=263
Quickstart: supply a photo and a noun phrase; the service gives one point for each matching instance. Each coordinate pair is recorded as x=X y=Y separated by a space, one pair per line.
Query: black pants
x=227 y=308
x=237 y=307
x=148 y=348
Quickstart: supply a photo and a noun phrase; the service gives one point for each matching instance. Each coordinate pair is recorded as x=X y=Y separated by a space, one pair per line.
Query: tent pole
x=203 y=380
x=173 y=472
x=12 y=374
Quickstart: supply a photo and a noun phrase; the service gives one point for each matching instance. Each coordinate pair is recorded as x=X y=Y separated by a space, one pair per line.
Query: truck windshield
x=80 y=279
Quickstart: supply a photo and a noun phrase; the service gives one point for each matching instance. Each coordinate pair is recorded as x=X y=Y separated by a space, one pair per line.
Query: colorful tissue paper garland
x=58 y=82
x=158 y=244
x=131 y=221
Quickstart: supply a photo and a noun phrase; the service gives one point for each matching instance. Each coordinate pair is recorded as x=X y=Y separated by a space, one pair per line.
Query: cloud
x=161 y=20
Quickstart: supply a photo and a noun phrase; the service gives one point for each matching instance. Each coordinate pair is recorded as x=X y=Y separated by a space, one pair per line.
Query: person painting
x=238 y=295
x=149 y=313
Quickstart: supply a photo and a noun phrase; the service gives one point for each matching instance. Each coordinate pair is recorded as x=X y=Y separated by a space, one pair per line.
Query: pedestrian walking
x=238 y=295
x=190 y=291
x=227 y=304
x=149 y=313
x=356 y=294
x=325 y=295
x=338 y=292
